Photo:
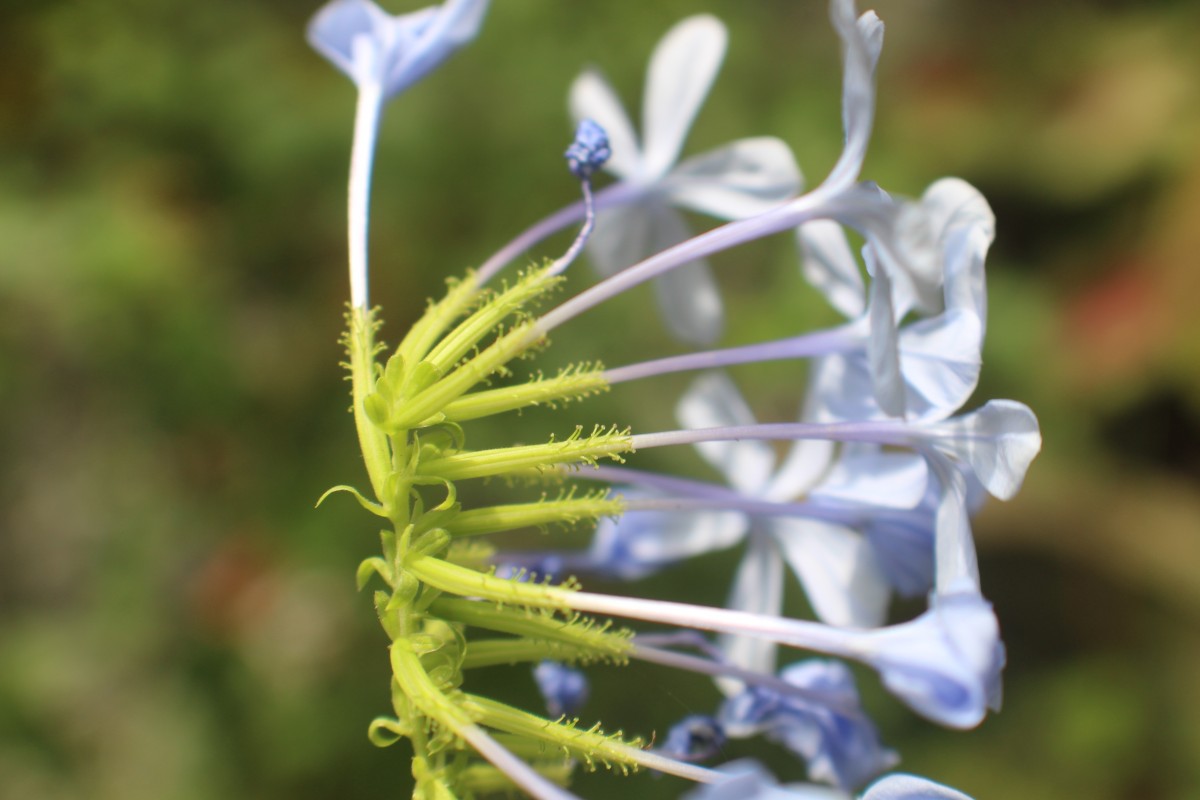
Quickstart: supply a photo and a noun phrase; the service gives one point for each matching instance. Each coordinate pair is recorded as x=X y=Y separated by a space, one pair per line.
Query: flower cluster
x=872 y=500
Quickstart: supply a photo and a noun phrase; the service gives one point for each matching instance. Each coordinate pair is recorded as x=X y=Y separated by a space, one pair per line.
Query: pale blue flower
x=738 y=180
x=565 y=689
x=374 y=48
x=696 y=737
x=946 y=663
x=383 y=55
x=748 y=780
x=930 y=256
x=839 y=744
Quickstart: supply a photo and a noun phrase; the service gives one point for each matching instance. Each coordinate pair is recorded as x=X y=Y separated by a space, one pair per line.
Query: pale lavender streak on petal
x=681 y=71
x=608 y=197
x=878 y=432
x=910 y=787
x=716 y=668
x=810 y=345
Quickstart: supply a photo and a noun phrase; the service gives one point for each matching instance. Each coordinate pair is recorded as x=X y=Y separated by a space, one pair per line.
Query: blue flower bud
x=589 y=151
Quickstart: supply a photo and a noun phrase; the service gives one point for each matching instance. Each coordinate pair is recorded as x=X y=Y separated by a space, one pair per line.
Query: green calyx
x=441 y=603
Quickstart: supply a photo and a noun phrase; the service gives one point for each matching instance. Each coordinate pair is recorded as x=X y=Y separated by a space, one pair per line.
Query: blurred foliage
x=175 y=619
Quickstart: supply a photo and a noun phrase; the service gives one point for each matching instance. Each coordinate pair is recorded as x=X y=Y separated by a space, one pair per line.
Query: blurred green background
x=176 y=621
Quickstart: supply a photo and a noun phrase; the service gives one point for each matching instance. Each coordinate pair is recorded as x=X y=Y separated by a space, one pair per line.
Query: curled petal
x=862 y=39
x=392 y=52
x=841 y=747
x=738 y=180
x=681 y=72
x=946 y=663
x=998 y=442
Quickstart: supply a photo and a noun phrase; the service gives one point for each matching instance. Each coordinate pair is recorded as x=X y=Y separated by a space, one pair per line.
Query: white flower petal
x=883 y=353
x=838 y=570
x=830 y=266
x=910 y=787
x=738 y=180
x=758 y=589
x=805 y=464
x=642 y=542
x=713 y=401
x=455 y=23
x=687 y=296
x=593 y=98
x=623 y=236
x=681 y=71
x=867 y=475
x=940 y=361
x=955 y=562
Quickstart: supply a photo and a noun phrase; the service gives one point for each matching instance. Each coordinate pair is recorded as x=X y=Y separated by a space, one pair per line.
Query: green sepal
x=372 y=566
x=375 y=508
x=386 y=731
x=387 y=615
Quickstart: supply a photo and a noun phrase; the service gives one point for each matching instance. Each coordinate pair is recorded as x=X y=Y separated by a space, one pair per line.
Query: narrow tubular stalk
x=803 y=209
x=362 y=154
x=617 y=194
x=820 y=343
